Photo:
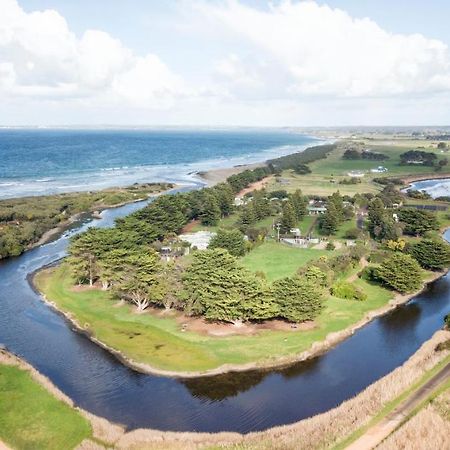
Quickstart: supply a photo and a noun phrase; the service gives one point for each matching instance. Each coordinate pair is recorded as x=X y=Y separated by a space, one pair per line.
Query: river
x=241 y=402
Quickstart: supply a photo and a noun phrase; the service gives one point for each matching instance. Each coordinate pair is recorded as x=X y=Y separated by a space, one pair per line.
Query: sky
x=224 y=62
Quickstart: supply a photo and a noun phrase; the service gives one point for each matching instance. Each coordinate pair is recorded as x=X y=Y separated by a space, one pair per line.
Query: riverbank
x=29 y=222
x=93 y=213
x=320 y=431
x=188 y=354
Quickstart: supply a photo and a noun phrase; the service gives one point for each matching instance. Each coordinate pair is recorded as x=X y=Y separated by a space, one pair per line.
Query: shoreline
x=93 y=213
x=319 y=431
x=316 y=349
x=215 y=176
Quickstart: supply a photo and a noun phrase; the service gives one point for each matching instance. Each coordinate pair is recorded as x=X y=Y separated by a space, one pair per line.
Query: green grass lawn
x=319 y=182
x=278 y=260
x=159 y=341
x=31 y=418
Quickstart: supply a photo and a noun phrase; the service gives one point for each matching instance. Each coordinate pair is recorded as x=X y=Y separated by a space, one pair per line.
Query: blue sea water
x=46 y=161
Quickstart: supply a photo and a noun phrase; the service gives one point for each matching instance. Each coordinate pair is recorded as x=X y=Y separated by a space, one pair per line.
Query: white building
x=200 y=239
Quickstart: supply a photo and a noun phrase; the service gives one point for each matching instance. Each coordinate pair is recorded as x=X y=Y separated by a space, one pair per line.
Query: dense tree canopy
x=431 y=254
x=298 y=299
x=216 y=286
x=400 y=272
x=417 y=221
x=231 y=240
x=381 y=224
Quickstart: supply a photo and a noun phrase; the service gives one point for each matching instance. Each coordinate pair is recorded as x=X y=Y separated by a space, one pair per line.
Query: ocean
x=48 y=161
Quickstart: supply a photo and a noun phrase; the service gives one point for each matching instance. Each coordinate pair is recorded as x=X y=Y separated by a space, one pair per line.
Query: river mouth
x=242 y=402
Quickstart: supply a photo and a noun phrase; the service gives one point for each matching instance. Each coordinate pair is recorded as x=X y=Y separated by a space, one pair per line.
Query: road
x=380 y=431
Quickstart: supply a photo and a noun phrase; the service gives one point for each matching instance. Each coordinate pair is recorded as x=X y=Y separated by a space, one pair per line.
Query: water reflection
x=242 y=402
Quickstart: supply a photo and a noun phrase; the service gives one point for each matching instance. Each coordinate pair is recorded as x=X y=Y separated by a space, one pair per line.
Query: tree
x=400 y=272
x=442 y=146
x=225 y=198
x=351 y=154
x=299 y=203
x=417 y=221
x=338 y=202
x=329 y=221
x=248 y=215
x=299 y=300
x=261 y=205
x=302 y=169
x=390 y=195
x=288 y=219
x=211 y=213
x=380 y=225
x=431 y=254
x=140 y=281
x=83 y=252
x=231 y=240
x=216 y=286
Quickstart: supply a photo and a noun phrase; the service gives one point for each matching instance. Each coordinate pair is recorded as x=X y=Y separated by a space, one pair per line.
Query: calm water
x=36 y=162
x=436 y=188
x=237 y=402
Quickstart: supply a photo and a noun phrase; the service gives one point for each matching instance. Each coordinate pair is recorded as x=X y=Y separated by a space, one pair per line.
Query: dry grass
x=321 y=431
x=429 y=429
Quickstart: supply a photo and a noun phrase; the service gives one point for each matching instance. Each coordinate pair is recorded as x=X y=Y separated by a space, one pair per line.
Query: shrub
x=353 y=233
x=348 y=291
x=330 y=246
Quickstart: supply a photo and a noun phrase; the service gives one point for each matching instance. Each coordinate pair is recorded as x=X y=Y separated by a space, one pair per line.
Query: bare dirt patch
x=256 y=186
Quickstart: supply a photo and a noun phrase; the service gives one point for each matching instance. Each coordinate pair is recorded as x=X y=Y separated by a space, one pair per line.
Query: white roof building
x=200 y=239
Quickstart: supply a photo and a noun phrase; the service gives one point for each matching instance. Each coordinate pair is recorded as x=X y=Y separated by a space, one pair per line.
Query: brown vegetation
x=429 y=429
x=317 y=432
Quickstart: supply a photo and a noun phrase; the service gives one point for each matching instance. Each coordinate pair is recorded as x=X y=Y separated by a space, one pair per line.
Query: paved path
x=380 y=431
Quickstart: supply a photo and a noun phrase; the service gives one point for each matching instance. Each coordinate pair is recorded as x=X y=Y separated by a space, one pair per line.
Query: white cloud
x=325 y=52
x=283 y=63
x=41 y=57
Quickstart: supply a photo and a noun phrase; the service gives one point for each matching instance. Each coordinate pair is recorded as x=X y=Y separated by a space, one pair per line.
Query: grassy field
x=159 y=341
x=279 y=260
x=31 y=418
x=326 y=173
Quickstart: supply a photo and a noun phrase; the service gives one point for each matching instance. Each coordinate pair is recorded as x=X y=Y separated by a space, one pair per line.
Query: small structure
x=379 y=169
x=316 y=207
x=355 y=174
x=200 y=239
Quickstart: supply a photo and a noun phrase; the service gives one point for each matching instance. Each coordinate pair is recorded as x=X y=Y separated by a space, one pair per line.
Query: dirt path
x=377 y=433
x=256 y=186
x=363 y=264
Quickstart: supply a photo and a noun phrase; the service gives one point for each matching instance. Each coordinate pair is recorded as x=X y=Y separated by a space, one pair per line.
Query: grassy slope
x=161 y=343
x=31 y=418
x=279 y=260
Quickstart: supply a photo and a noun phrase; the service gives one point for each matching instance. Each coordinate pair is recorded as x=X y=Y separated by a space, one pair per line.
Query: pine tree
x=298 y=299
x=231 y=240
x=299 y=203
x=248 y=215
x=329 y=221
x=400 y=272
x=288 y=219
x=338 y=202
x=261 y=205
x=210 y=214
x=431 y=254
